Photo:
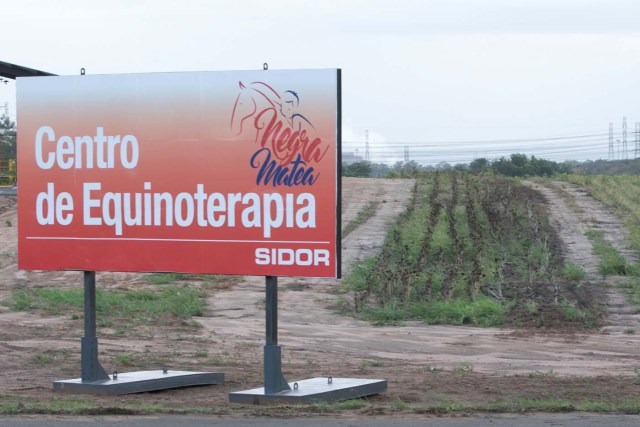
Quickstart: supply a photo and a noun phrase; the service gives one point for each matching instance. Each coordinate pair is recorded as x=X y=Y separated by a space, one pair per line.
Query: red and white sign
x=206 y=172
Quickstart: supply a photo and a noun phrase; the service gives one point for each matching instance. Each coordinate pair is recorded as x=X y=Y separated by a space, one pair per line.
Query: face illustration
x=289 y=104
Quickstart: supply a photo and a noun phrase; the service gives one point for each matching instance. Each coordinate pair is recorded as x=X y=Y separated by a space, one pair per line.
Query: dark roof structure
x=11 y=71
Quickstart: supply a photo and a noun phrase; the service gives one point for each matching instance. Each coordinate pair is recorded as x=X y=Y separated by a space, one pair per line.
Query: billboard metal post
x=90 y=366
x=274 y=381
x=276 y=388
x=95 y=380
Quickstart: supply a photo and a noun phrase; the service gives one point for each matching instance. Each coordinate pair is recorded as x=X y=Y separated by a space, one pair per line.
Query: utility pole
x=637 y=140
x=366 y=148
x=611 y=154
x=624 y=138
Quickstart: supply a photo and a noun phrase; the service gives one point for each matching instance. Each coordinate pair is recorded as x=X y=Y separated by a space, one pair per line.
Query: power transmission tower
x=624 y=138
x=637 y=140
x=366 y=148
x=406 y=154
x=611 y=154
x=6 y=109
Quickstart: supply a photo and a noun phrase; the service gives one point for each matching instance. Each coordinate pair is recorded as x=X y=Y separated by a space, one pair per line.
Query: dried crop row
x=476 y=242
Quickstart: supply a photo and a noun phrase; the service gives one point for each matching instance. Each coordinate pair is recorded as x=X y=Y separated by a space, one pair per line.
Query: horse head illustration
x=253 y=98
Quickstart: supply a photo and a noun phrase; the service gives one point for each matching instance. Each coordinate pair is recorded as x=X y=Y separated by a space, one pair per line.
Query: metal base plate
x=313 y=390
x=138 y=382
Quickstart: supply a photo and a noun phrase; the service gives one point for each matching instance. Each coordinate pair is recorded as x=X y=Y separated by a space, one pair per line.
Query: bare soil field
x=423 y=363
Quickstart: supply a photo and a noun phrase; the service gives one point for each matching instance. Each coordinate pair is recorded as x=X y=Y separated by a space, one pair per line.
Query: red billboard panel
x=207 y=172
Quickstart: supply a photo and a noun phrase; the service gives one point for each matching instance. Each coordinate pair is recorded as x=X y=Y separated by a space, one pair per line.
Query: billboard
x=204 y=172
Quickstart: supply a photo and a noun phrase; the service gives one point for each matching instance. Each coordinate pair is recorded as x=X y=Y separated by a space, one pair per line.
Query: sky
x=427 y=80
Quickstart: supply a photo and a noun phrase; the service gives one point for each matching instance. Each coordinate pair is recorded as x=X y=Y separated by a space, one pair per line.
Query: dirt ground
x=422 y=363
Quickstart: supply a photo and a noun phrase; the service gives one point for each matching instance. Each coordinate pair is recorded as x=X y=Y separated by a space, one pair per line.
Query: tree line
x=7 y=138
x=516 y=165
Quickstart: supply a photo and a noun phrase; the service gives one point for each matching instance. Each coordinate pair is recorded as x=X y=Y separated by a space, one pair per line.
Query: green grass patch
x=524 y=404
x=480 y=312
x=125 y=359
x=573 y=272
x=61 y=406
x=141 y=306
x=611 y=261
x=367 y=212
x=440 y=406
x=201 y=353
x=71 y=406
x=632 y=288
x=223 y=358
x=50 y=357
x=392 y=313
x=571 y=312
x=351 y=404
x=204 y=280
x=374 y=362
x=165 y=278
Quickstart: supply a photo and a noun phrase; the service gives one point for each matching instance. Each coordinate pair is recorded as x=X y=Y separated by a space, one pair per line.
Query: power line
x=610 y=141
x=624 y=138
x=453 y=156
x=589 y=151
x=366 y=150
x=587 y=145
x=593 y=142
x=637 y=140
x=499 y=142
